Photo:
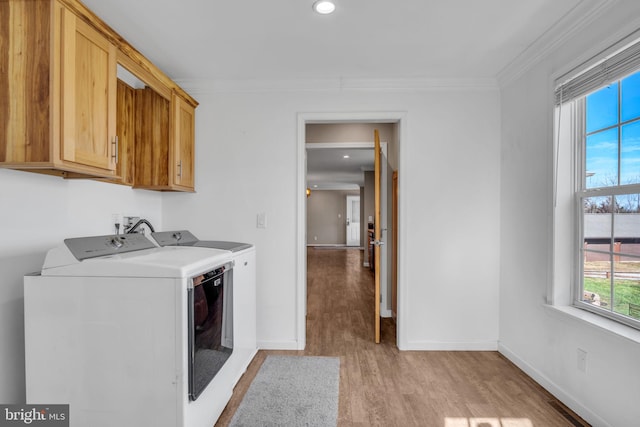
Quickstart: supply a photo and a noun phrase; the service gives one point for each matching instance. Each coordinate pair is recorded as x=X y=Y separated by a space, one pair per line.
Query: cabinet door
x=25 y=86
x=152 y=140
x=126 y=131
x=183 y=143
x=88 y=92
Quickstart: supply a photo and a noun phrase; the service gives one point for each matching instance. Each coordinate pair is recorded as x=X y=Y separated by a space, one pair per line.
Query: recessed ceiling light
x=324 y=7
x=346 y=156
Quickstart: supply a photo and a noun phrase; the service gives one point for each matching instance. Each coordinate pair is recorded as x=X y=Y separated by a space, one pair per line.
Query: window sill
x=584 y=317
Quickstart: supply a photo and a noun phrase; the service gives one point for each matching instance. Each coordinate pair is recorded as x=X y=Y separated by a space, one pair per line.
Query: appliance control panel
x=97 y=246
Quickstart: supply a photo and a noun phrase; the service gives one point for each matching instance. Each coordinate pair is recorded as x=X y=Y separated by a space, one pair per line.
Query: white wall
x=36 y=213
x=327 y=216
x=449 y=166
x=543 y=341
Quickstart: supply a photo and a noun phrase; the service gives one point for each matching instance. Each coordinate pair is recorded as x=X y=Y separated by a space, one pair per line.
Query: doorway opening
x=351 y=130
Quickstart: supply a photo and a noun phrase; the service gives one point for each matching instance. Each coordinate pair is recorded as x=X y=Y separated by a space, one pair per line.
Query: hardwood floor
x=382 y=386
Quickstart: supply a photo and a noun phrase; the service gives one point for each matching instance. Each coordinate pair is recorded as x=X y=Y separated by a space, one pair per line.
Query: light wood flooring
x=382 y=386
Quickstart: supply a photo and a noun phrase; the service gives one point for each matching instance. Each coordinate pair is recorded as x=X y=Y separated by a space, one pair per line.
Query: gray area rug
x=292 y=391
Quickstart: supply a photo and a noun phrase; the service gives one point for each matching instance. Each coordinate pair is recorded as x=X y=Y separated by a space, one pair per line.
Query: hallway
x=381 y=386
x=340 y=303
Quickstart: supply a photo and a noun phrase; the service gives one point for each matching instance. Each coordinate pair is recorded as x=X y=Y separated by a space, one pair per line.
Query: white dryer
x=110 y=324
x=243 y=278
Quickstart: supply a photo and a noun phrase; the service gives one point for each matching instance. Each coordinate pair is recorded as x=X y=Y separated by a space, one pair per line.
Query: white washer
x=106 y=331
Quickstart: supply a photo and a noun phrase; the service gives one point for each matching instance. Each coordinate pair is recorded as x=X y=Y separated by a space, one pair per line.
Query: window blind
x=599 y=75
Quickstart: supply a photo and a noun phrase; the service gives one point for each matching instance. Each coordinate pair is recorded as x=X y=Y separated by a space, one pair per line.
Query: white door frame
x=301 y=213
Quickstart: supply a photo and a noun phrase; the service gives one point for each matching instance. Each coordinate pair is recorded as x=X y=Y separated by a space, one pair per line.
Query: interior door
x=394 y=248
x=377 y=232
x=353 y=220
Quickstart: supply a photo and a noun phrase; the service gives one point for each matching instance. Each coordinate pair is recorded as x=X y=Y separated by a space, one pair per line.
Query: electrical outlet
x=116 y=222
x=582 y=360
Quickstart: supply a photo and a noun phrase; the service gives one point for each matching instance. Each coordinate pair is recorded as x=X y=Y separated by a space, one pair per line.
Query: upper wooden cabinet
x=164 y=143
x=67 y=112
x=88 y=96
x=157 y=125
x=57 y=114
x=183 y=143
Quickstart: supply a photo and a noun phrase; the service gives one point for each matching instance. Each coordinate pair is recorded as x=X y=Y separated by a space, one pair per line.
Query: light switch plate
x=261 y=220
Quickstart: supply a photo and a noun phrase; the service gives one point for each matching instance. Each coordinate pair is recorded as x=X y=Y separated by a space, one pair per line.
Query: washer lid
x=220 y=244
x=185 y=238
x=170 y=261
x=174 y=238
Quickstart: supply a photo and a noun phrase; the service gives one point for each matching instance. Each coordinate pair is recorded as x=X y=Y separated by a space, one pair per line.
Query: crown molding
x=206 y=86
x=578 y=18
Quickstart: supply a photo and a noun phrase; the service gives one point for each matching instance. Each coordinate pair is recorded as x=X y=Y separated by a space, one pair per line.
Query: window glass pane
x=597 y=217
x=628 y=204
x=630 y=108
x=626 y=255
x=597 y=283
x=626 y=225
x=630 y=154
x=602 y=159
x=626 y=286
x=599 y=205
x=596 y=225
x=602 y=108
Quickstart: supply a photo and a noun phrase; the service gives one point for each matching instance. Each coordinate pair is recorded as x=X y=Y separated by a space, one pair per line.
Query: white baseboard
x=553 y=388
x=278 y=345
x=385 y=313
x=451 y=345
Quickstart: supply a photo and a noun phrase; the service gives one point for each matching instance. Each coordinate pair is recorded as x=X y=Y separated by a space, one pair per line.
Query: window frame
x=581 y=192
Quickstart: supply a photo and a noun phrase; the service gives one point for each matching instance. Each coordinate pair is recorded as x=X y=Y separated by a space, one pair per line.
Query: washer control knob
x=117 y=242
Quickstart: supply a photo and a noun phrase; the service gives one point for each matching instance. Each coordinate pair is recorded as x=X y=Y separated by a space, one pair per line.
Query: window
x=606 y=186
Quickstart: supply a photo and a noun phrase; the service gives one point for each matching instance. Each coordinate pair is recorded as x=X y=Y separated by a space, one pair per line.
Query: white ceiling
x=328 y=169
x=249 y=41
x=285 y=39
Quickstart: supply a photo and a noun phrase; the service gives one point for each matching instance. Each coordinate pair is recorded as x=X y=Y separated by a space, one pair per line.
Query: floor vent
x=567 y=414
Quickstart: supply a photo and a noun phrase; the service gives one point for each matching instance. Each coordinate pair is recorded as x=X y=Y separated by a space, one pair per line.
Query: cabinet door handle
x=180 y=169
x=114 y=156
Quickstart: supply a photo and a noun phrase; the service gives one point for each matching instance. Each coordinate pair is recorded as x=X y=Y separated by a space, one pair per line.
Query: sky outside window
x=613 y=148
x=630 y=97
x=602 y=108
x=602 y=159
x=630 y=154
